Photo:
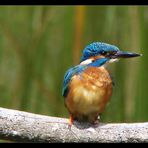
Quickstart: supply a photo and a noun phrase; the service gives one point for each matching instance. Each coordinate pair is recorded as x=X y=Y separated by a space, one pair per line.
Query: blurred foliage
x=39 y=43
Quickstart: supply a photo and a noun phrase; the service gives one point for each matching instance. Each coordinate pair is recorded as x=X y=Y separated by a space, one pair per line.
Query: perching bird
x=87 y=87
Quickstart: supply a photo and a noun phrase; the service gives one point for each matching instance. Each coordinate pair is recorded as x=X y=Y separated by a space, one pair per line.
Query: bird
x=87 y=87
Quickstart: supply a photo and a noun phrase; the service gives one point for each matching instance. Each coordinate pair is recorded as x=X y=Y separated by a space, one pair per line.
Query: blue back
x=97 y=48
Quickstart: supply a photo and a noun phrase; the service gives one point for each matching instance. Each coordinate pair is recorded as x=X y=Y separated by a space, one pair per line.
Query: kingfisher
x=87 y=87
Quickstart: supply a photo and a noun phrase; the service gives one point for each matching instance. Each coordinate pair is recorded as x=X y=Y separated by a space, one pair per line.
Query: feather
x=77 y=70
x=68 y=75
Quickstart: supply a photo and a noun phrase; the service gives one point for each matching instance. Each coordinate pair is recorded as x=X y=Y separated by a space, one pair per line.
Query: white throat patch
x=113 y=60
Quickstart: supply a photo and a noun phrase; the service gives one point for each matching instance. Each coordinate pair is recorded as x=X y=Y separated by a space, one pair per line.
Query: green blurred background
x=39 y=43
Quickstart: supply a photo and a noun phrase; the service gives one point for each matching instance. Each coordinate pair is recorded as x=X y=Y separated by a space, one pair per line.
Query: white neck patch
x=88 y=61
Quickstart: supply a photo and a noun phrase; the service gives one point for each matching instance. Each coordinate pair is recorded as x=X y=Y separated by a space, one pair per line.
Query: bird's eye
x=103 y=52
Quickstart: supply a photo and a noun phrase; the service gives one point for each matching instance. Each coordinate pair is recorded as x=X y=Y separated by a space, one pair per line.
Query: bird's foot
x=96 y=122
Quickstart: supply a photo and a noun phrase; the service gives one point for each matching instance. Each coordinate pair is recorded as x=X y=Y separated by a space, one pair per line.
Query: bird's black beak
x=123 y=54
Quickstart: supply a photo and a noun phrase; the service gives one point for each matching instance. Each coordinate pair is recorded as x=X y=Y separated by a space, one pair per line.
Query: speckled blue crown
x=97 y=48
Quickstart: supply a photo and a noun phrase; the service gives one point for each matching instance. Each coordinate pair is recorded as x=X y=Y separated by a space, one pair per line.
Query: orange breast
x=89 y=92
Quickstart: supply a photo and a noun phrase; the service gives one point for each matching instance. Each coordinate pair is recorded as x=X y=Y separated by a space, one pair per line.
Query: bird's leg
x=70 y=121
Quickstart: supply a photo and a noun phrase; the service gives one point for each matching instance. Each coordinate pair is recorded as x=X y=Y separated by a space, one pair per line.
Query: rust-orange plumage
x=87 y=87
x=89 y=93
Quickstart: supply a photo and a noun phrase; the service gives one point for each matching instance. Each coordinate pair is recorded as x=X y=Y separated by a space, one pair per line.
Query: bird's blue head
x=104 y=50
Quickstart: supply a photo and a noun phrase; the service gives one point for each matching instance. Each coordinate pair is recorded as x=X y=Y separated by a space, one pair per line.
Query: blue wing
x=68 y=75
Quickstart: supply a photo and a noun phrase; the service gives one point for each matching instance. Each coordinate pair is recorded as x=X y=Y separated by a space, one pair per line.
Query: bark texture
x=21 y=126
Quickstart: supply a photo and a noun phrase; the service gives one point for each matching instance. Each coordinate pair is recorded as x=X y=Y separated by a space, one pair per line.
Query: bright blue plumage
x=94 y=49
x=77 y=70
x=87 y=89
x=97 y=48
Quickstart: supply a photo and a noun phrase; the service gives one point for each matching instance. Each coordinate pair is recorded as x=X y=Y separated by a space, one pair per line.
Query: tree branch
x=27 y=127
